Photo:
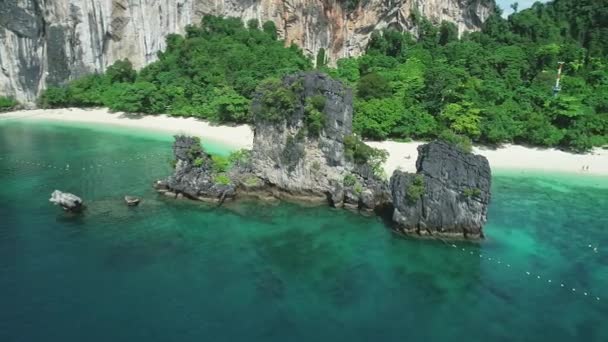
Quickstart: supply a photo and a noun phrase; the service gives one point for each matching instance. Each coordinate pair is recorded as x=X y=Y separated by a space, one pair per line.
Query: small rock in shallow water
x=69 y=202
x=132 y=201
x=169 y=194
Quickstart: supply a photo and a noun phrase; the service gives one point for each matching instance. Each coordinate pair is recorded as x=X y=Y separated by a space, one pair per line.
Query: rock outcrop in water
x=193 y=175
x=50 y=42
x=309 y=159
x=67 y=201
x=448 y=195
x=132 y=201
x=304 y=150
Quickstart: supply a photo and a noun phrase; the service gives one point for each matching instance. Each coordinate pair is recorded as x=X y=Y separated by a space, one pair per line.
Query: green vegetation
x=211 y=73
x=493 y=86
x=321 y=59
x=221 y=178
x=277 y=103
x=220 y=164
x=490 y=87
x=315 y=119
x=416 y=189
x=239 y=157
x=358 y=188
x=198 y=162
x=350 y=5
x=349 y=180
x=471 y=192
x=7 y=103
x=195 y=150
x=360 y=153
x=462 y=142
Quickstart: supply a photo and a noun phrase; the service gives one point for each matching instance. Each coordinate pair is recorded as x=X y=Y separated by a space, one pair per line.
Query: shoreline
x=238 y=136
x=506 y=158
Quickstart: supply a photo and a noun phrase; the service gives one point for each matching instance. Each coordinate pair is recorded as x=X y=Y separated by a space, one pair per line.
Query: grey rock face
x=193 y=175
x=286 y=161
x=455 y=196
x=67 y=201
x=448 y=196
x=286 y=156
x=50 y=42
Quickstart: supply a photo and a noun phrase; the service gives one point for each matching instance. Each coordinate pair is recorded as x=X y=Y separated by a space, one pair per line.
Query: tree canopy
x=491 y=87
x=211 y=73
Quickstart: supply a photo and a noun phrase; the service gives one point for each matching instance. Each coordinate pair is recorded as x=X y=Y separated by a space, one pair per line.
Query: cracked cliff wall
x=47 y=42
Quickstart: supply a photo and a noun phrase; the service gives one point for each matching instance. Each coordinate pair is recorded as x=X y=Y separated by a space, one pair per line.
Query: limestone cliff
x=46 y=42
x=448 y=195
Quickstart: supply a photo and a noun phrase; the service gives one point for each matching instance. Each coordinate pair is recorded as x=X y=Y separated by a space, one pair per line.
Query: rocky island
x=448 y=195
x=304 y=150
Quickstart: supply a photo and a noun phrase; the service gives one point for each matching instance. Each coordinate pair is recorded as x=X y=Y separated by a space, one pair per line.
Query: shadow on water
x=130 y=256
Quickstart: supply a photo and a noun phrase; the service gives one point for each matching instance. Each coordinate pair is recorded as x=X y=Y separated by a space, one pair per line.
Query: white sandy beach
x=508 y=157
x=232 y=136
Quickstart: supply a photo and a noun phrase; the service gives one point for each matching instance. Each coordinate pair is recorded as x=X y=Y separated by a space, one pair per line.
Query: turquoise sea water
x=182 y=271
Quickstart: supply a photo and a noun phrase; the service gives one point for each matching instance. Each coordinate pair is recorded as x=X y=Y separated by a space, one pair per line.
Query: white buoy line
x=528 y=273
x=69 y=167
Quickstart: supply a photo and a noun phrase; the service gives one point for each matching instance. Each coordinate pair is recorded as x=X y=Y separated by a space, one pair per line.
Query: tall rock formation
x=448 y=195
x=47 y=42
x=302 y=150
x=308 y=152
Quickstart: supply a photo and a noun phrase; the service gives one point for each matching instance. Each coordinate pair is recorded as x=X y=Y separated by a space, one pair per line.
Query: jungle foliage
x=7 y=103
x=490 y=87
x=211 y=72
x=493 y=86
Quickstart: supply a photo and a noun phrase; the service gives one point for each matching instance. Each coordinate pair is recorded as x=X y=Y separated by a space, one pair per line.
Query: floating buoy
x=538 y=276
